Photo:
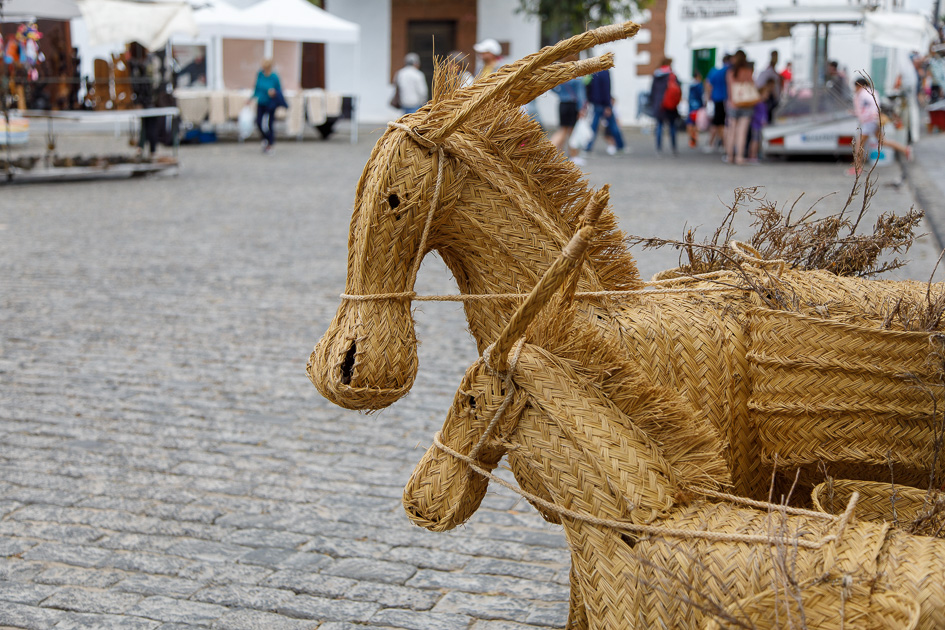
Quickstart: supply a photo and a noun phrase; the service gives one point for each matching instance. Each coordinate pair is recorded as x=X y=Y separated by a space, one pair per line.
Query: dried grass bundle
x=831 y=242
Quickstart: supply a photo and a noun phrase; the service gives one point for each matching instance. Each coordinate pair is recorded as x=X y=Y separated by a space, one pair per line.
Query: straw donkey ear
x=546 y=78
x=512 y=79
x=561 y=269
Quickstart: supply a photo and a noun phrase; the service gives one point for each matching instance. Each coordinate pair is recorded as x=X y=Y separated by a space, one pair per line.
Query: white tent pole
x=217 y=43
x=356 y=97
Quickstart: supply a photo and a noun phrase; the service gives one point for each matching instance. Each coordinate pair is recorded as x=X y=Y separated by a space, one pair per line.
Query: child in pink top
x=867 y=115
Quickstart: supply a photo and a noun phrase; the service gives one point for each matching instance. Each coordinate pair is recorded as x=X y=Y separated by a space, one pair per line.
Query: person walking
x=772 y=76
x=867 y=115
x=717 y=94
x=787 y=75
x=410 y=85
x=696 y=103
x=600 y=98
x=665 y=94
x=760 y=118
x=268 y=95
x=742 y=96
x=571 y=100
x=489 y=54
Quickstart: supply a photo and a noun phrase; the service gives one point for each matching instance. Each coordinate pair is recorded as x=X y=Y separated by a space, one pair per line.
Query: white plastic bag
x=581 y=135
x=245 y=122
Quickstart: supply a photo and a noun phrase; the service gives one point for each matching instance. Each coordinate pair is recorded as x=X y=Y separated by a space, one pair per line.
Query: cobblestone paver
x=164 y=461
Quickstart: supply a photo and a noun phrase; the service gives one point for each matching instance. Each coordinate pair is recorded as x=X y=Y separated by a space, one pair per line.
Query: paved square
x=165 y=462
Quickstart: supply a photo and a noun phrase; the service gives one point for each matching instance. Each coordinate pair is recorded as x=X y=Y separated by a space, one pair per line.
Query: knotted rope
x=509 y=391
x=751 y=255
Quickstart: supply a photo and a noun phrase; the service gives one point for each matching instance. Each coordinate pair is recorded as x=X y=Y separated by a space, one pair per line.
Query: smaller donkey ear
x=571 y=256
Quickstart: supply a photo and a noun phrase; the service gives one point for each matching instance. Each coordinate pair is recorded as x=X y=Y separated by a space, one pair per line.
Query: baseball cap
x=490 y=46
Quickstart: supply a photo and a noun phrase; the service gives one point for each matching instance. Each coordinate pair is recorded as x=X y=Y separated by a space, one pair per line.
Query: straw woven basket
x=879 y=501
x=824 y=383
x=824 y=607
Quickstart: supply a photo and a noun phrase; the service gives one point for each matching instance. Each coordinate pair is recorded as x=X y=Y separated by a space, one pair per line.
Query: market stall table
x=51 y=167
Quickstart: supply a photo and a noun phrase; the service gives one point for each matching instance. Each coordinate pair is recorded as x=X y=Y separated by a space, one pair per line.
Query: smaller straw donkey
x=632 y=476
x=472 y=178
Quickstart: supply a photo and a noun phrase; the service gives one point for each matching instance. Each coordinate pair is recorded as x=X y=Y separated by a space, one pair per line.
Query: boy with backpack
x=665 y=95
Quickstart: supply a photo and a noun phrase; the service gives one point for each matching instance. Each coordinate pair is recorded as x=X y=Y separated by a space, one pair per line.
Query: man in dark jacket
x=599 y=97
x=664 y=113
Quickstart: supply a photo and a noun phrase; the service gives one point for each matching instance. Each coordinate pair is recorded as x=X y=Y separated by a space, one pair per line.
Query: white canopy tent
x=150 y=24
x=298 y=20
x=900 y=30
x=220 y=25
x=883 y=28
x=18 y=10
x=218 y=18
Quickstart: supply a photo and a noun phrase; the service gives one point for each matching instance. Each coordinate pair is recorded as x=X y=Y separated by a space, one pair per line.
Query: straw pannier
x=901 y=505
x=823 y=386
x=824 y=607
x=827 y=391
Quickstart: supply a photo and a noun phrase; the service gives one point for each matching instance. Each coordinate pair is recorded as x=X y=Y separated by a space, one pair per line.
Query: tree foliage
x=569 y=17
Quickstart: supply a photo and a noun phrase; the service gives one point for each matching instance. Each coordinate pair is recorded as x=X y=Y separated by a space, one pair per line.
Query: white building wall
x=497 y=19
x=363 y=69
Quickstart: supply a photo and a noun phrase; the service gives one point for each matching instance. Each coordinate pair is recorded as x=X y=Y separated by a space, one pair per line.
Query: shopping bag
x=745 y=94
x=702 y=119
x=245 y=122
x=581 y=135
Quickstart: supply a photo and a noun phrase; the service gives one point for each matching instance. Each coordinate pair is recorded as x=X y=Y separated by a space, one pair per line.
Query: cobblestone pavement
x=166 y=464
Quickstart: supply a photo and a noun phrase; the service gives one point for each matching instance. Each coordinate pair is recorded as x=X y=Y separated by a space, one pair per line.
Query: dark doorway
x=703 y=60
x=428 y=38
x=313 y=65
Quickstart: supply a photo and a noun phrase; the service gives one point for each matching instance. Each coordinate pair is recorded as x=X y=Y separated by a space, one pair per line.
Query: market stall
x=125 y=93
x=219 y=65
x=818 y=118
x=53 y=166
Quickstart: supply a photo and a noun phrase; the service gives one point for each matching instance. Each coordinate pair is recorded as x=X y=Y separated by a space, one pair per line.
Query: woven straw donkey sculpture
x=473 y=178
x=633 y=476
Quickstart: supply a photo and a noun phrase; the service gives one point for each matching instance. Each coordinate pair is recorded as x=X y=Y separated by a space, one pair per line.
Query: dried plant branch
x=832 y=242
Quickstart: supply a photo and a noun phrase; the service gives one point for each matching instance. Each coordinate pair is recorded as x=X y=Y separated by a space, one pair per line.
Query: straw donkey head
x=472 y=177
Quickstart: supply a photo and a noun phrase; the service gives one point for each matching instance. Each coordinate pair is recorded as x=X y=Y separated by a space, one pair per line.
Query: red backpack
x=673 y=93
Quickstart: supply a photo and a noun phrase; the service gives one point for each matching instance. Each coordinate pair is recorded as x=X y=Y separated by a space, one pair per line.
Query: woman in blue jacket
x=268 y=95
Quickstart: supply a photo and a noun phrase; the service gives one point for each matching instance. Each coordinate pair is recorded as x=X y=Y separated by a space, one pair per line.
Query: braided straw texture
x=879 y=501
x=835 y=392
x=569 y=446
x=825 y=607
